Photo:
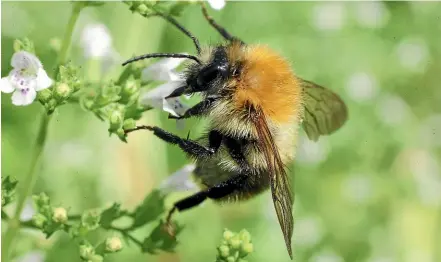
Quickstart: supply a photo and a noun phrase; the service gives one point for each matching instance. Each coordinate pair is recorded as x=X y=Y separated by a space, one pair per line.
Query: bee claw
x=170 y=116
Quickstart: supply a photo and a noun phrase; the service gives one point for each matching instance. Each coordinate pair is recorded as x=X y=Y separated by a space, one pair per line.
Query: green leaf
x=8 y=190
x=159 y=239
x=110 y=214
x=151 y=208
x=178 y=8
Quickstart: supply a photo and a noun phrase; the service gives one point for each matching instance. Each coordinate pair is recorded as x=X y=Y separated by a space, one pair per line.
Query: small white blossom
x=26 y=78
x=164 y=70
x=96 y=40
x=60 y=215
x=217 y=4
x=97 y=43
x=113 y=244
x=371 y=14
x=413 y=54
x=328 y=16
x=362 y=86
x=180 y=180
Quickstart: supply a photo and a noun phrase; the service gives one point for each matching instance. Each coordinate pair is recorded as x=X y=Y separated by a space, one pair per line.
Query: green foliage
x=24 y=44
x=8 y=190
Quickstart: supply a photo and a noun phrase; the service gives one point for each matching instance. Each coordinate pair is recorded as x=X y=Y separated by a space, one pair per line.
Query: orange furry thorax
x=266 y=81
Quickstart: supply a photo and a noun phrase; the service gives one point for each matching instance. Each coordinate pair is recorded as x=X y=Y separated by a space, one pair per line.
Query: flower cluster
x=234 y=247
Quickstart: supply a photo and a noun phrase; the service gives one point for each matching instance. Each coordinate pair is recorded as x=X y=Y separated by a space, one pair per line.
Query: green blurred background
x=370 y=192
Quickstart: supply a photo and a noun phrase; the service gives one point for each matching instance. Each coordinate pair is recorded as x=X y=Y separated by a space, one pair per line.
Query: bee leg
x=197 y=110
x=222 y=31
x=190 y=147
x=216 y=192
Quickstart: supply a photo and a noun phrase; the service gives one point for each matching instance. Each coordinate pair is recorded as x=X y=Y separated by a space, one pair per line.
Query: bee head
x=206 y=77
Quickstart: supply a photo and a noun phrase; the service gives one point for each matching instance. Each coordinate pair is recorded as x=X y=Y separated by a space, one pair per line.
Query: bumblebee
x=255 y=105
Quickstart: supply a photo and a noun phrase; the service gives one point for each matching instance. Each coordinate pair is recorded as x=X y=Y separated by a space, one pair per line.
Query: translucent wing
x=325 y=112
x=280 y=185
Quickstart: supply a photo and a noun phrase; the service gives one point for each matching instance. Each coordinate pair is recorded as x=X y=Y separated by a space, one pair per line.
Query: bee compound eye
x=208 y=75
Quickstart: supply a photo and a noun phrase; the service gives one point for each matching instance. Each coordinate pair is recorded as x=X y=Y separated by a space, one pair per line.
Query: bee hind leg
x=216 y=192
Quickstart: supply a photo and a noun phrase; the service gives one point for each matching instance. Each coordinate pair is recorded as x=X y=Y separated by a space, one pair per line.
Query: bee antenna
x=154 y=55
x=181 y=28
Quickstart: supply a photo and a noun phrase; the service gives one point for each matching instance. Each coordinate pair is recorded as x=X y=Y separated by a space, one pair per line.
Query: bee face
x=209 y=78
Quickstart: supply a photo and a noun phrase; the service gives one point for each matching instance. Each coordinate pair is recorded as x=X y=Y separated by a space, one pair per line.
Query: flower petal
x=23 y=98
x=179 y=181
x=27 y=61
x=163 y=70
x=174 y=106
x=155 y=96
x=43 y=80
x=6 y=86
x=216 y=4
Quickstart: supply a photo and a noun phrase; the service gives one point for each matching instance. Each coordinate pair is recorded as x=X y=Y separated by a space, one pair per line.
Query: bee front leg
x=190 y=147
x=197 y=110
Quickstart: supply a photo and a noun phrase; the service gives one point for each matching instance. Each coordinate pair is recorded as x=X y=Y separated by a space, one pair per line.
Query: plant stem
x=76 y=9
x=26 y=187
x=29 y=181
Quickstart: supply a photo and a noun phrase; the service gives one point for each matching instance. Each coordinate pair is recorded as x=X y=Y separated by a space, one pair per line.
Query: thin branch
x=124 y=232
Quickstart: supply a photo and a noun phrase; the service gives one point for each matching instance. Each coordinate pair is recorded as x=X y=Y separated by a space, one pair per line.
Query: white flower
x=33 y=256
x=362 y=86
x=328 y=16
x=164 y=70
x=371 y=14
x=413 y=54
x=179 y=181
x=26 y=78
x=96 y=41
x=216 y=4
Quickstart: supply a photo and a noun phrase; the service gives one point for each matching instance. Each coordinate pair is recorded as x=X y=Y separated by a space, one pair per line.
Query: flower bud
x=235 y=242
x=129 y=124
x=41 y=200
x=113 y=244
x=63 y=91
x=130 y=87
x=231 y=259
x=142 y=9
x=59 y=215
x=91 y=219
x=86 y=251
x=224 y=251
x=96 y=258
x=38 y=220
x=50 y=105
x=245 y=236
x=55 y=44
x=44 y=95
x=24 y=45
x=247 y=248
x=228 y=234
x=116 y=120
